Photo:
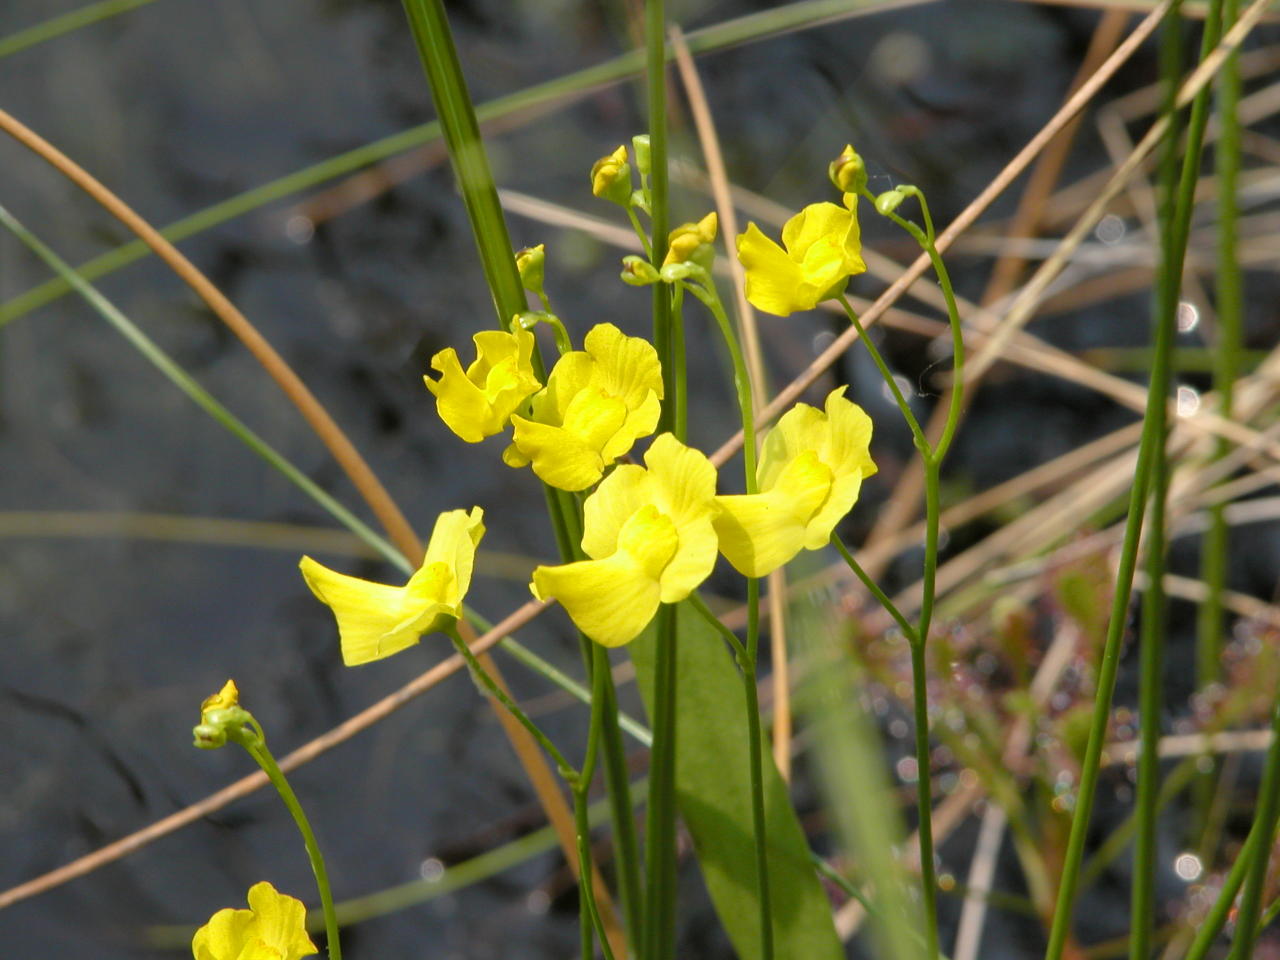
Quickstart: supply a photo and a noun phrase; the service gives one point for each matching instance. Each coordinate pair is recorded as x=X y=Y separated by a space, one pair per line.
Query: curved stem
x=874 y=588
x=482 y=676
x=922 y=442
x=741 y=378
x=256 y=746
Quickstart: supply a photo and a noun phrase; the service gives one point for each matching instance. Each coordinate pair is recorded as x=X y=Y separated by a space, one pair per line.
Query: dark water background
x=110 y=643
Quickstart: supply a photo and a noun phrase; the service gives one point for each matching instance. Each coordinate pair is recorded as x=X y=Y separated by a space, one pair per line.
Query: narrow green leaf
x=713 y=791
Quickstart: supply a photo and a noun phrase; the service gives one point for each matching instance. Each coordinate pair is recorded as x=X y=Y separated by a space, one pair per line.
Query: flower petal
x=626 y=367
x=280 y=922
x=613 y=600
x=760 y=532
x=453 y=542
x=460 y=403
x=366 y=612
x=772 y=277
x=609 y=508
x=223 y=937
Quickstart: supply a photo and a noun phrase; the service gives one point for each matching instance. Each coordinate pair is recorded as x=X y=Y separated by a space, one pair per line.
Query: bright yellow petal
x=223 y=937
x=760 y=532
x=558 y=457
x=612 y=504
x=453 y=542
x=626 y=367
x=280 y=922
x=613 y=600
x=367 y=613
x=461 y=404
x=772 y=277
x=684 y=487
x=845 y=448
x=639 y=422
x=572 y=374
x=801 y=428
x=815 y=222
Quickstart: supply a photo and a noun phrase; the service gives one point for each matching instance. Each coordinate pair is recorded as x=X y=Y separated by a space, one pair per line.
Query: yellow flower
x=273 y=928
x=478 y=403
x=650 y=538
x=811 y=469
x=376 y=620
x=596 y=404
x=823 y=249
x=692 y=241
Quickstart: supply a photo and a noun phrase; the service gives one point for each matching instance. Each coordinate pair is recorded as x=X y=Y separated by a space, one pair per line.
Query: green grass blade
x=66 y=23
x=731 y=33
x=201 y=397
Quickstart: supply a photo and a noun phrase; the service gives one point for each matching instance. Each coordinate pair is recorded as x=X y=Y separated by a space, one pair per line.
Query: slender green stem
x=630 y=885
x=1264 y=825
x=1152 y=438
x=745 y=655
x=922 y=442
x=1179 y=199
x=256 y=745
x=638 y=227
x=904 y=624
x=710 y=297
x=199 y=395
x=66 y=23
x=680 y=423
x=1207 y=930
x=664 y=337
x=924 y=797
x=1227 y=357
x=658 y=942
x=481 y=675
x=466 y=151
x=581 y=792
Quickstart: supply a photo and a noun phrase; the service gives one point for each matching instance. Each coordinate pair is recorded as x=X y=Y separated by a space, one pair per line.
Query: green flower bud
x=640 y=144
x=530 y=262
x=889 y=201
x=611 y=177
x=638 y=272
x=848 y=171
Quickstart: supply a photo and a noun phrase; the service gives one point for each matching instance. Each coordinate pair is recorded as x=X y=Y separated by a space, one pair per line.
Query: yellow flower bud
x=693 y=242
x=531 y=262
x=611 y=177
x=848 y=171
x=228 y=696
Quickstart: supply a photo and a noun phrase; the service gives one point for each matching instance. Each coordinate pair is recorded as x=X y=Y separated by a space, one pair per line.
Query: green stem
x=66 y=23
x=656 y=95
x=256 y=745
x=922 y=442
x=904 y=624
x=1207 y=930
x=481 y=675
x=581 y=791
x=199 y=395
x=658 y=942
x=466 y=151
x=1211 y=619
x=710 y=297
x=745 y=654
x=1264 y=825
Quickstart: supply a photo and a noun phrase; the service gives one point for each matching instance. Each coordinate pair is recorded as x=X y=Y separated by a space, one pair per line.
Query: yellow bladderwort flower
x=650 y=538
x=478 y=403
x=823 y=248
x=811 y=469
x=596 y=404
x=273 y=928
x=376 y=620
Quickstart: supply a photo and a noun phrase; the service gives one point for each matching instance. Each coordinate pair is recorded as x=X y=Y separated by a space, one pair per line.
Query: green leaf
x=713 y=791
